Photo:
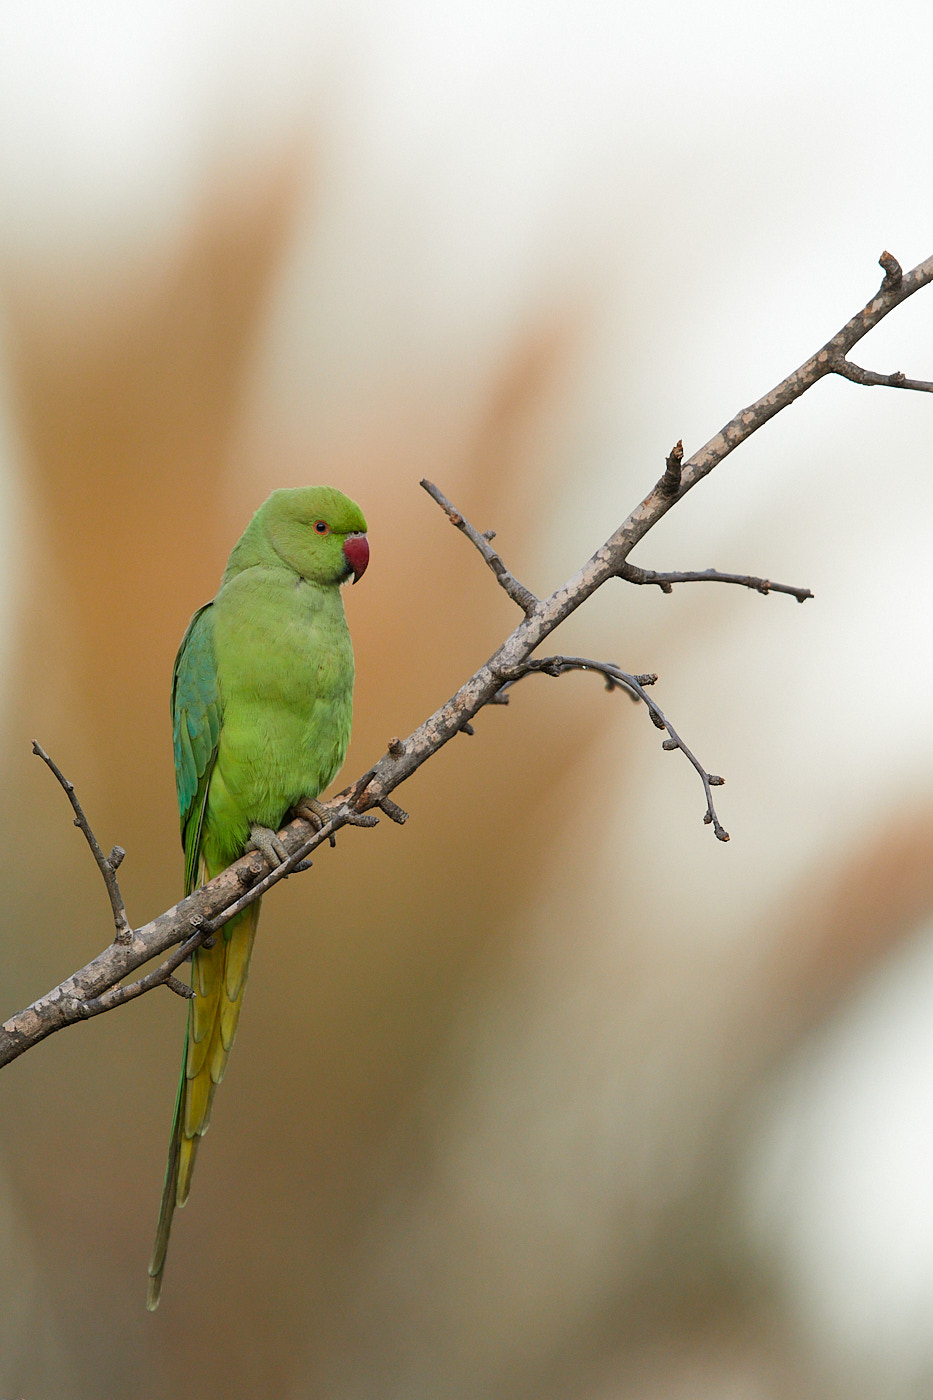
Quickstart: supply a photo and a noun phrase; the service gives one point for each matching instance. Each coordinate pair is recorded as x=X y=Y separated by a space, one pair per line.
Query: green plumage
x=261 y=710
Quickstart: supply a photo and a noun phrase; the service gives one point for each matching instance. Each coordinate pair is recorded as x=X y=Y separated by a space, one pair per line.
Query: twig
x=635 y=685
x=869 y=377
x=519 y=594
x=633 y=574
x=193 y=919
x=107 y=865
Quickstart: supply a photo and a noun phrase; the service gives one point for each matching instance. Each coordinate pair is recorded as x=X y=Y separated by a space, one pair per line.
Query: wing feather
x=196 y=721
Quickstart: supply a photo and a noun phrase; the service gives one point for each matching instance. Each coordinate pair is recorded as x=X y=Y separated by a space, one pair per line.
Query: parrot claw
x=313 y=811
x=316 y=813
x=264 y=840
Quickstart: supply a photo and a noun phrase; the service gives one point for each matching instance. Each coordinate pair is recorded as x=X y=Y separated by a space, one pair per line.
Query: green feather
x=261 y=709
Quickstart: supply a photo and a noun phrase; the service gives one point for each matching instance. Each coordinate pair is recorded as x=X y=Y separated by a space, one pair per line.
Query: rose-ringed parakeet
x=261 y=707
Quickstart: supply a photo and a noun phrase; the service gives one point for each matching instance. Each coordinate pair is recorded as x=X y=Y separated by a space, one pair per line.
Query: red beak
x=356 y=553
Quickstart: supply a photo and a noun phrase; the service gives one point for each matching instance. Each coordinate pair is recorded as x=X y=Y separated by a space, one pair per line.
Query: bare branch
x=96 y=987
x=107 y=865
x=633 y=574
x=519 y=594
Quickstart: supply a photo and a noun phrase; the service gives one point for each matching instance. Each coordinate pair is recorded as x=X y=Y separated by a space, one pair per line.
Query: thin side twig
x=107 y=865
x=519 y=594
x=633 y=574
x=870 y=377
x=635 y=685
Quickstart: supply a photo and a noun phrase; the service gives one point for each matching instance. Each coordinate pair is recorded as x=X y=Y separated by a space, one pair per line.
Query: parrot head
x=316 y=530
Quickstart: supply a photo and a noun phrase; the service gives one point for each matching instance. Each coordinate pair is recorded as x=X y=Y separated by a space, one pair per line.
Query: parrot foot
x=313 y=811
x=316 y=813
x=264 y=840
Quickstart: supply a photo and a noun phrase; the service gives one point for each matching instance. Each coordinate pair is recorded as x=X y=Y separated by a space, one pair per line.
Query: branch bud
x=893 y=272
x=669 y=485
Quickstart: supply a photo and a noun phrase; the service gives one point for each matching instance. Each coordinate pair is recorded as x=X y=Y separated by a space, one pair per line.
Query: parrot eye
x=322 y=527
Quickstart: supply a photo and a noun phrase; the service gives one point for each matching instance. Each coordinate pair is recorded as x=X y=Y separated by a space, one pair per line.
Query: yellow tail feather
x=218 y=976
x=187 y=1154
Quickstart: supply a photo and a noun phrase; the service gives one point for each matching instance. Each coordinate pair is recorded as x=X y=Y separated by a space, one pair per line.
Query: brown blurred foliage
x=128 y=424
x=480 y=1135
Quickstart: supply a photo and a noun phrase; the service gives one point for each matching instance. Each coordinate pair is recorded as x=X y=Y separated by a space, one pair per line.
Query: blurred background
x=548 y=1095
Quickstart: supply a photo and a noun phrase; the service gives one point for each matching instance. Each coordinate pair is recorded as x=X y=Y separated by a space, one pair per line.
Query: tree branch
x=96 y=987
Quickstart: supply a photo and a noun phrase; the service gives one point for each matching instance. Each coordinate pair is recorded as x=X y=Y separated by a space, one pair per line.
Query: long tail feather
x=218 y=976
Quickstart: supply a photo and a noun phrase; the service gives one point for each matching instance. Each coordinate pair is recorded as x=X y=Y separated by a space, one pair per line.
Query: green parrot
x=261 y=705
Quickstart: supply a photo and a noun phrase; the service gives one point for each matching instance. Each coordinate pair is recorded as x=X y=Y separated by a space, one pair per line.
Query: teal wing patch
x=196 y=719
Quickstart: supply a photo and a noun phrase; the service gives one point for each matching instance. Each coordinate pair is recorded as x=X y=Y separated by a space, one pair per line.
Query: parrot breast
x=285 y=676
